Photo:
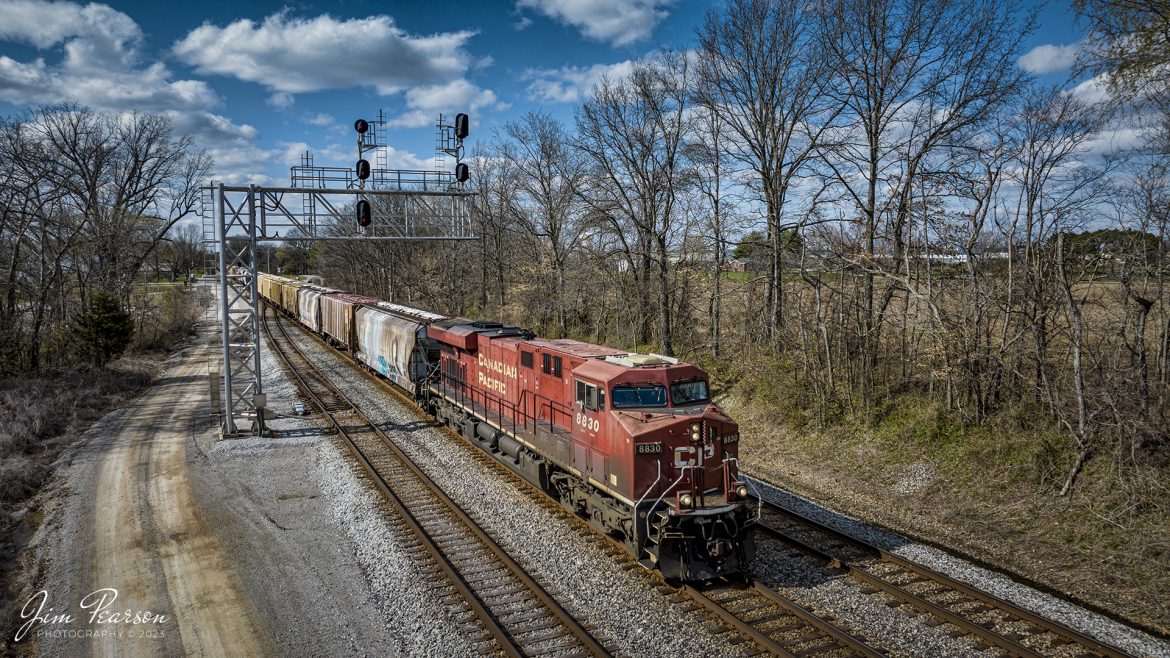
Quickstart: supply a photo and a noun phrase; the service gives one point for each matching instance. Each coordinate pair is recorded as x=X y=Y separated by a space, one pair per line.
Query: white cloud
x=295 y=55
x=209 y=128
x=1115 y=139
x=425 y=103
x=343 y=155
x=1092 y=91
x=1049 y=58
x=522 y=24
x=100 y=67
x=280 y=100
x=292 y=153
x=321 y=120
x=396 y=159
x=46 y=24
x=572 y=84
x=618 y=22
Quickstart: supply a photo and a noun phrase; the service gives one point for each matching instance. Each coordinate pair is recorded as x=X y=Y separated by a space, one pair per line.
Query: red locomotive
x=630 y=442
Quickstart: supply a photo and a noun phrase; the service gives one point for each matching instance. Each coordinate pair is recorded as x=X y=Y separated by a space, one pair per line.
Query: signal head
x=363 y=212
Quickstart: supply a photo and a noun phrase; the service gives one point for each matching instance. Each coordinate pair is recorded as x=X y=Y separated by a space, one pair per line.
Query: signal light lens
x=363 y=169
x=462 y=173
x=741 y=491
x=364 y=213
x=696 y=432
x=361 y=126
x=685 y=500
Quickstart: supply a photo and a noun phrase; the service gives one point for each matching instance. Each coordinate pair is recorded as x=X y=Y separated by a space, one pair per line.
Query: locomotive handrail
x=463 y=390
x=519 y=410
x=548 y=403
x=668 y=489
x=747 y=481
x=651 y=487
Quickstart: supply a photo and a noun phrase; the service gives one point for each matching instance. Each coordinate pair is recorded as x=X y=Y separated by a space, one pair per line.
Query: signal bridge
x=321 y=203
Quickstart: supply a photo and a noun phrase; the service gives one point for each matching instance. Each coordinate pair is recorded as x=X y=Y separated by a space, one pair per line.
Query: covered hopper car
x=630 y=442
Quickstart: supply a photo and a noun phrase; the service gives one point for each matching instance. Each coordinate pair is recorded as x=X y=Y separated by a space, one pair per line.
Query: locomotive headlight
x=696 y=432
x=741 y=491
x=685 y=500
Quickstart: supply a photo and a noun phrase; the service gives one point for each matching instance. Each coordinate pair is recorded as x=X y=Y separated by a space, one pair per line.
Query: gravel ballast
x=576 y=567
x=624 y=608
x=1102 y=628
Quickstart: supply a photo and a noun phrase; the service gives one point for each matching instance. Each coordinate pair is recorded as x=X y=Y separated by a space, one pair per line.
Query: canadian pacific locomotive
x=630 y=442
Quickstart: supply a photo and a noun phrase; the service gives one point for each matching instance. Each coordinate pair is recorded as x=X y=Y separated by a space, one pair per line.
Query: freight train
x=630 y=442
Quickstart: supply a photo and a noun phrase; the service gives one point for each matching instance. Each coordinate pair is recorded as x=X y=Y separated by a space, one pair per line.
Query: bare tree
x=761 y=68
x=184 y=251
x=912 y=74
x=86 y=199
x=549 y=175
x=707 y=151
x=129 y=179
x=633 y=131
x=494 y=178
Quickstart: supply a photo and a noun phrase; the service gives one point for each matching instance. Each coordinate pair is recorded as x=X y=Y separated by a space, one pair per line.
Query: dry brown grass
x=989 y=493
x=41 y=412
x=40 y=415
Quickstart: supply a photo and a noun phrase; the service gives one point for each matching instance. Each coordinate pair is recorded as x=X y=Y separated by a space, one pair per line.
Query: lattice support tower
x=245 y=216
x=237 y=232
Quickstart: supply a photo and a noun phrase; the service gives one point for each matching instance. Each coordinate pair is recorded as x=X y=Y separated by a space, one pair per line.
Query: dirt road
x=152 y=552
x=148 y=516
x=213 y=546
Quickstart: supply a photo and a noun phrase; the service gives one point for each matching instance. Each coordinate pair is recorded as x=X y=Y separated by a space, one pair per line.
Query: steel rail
x=504 y=639
x=742 y=627
x=989 y=636
x=821 y=629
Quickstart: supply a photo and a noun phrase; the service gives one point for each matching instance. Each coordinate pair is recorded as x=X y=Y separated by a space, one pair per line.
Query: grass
x=991 y=492
x=42 y=412
x=40 y=415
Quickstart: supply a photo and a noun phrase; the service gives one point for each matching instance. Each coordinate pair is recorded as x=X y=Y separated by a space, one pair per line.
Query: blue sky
x=258 y=83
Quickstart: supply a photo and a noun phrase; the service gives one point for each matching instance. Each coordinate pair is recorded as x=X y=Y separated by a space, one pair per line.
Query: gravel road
x=232 y=540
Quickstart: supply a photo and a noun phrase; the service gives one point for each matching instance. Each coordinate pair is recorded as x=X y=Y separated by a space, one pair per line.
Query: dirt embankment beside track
x=1105 y=545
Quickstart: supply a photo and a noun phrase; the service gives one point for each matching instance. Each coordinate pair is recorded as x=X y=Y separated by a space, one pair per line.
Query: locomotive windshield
x=638 y=396
x=689 y=392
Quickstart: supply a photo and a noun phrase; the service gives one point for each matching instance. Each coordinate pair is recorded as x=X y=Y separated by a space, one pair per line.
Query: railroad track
x=778 y=625
x=774 y=623
x=519 y=617
x=991 y=620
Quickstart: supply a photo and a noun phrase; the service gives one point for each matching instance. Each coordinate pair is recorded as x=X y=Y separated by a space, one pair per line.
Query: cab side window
x=590 y=396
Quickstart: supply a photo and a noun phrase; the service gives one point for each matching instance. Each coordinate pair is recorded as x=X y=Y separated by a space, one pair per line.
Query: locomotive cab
x=692 y=513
